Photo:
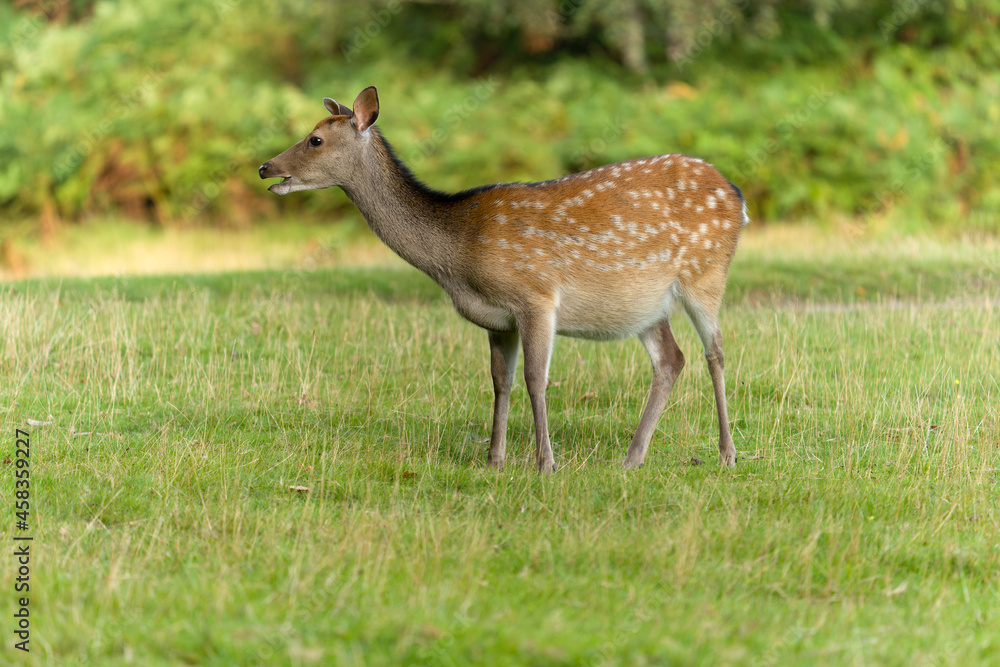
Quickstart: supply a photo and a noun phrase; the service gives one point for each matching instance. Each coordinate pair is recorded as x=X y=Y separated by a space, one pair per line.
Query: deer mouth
x=283 y=187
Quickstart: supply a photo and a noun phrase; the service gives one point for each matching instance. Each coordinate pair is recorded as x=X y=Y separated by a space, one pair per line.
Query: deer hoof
x=546 y=467
x=632 y=464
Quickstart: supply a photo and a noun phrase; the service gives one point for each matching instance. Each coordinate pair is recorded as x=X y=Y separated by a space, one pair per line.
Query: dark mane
x=423 y=188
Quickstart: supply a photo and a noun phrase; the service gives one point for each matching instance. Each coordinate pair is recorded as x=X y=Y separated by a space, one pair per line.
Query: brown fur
x=602 y=254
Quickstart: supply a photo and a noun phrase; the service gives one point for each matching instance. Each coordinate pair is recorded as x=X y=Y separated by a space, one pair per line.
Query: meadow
x=286 y=466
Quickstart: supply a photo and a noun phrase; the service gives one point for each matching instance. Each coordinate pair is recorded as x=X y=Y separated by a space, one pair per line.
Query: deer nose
x=263 y=169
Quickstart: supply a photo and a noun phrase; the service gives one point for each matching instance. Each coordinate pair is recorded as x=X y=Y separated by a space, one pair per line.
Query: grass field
x=287 y=467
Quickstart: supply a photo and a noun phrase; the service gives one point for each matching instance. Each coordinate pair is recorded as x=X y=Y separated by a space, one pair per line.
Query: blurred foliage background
x=821 y=110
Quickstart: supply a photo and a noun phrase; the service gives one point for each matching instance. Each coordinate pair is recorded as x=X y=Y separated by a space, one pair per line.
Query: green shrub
x=162 y=109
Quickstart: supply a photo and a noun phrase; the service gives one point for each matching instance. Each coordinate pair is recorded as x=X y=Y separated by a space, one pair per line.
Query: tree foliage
x=162 y=109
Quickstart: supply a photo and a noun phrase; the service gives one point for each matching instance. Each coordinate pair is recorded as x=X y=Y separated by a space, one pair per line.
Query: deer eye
x=315 y=141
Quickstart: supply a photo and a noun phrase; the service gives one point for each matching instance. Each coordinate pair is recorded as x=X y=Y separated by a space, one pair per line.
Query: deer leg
x=503 y=363
x=707 y=325
x=667 y=360
x=713 y=354
x=537 y=333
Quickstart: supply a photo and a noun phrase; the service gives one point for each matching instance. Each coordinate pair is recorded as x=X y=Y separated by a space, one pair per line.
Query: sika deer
x=602 y=254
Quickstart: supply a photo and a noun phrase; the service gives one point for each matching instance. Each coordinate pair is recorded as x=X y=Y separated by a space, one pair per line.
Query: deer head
x=329 y=155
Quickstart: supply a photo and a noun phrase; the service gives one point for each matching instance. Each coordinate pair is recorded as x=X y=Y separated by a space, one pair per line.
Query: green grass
x=860 y=526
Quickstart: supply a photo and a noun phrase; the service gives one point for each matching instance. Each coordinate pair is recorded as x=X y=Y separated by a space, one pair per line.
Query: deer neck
x=416 y=222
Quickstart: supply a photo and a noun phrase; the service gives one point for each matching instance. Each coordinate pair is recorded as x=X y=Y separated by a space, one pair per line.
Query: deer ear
x=366 y=108
x=336 y=108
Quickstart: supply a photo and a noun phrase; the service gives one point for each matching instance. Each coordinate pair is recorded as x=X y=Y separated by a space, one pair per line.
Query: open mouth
x=282 y=187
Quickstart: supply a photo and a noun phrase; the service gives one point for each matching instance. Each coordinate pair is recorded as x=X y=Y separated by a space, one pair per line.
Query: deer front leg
x=503 y=363
x=537 y=333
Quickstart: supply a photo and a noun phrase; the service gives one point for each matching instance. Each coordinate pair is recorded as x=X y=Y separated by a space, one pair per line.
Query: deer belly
x=612 y=315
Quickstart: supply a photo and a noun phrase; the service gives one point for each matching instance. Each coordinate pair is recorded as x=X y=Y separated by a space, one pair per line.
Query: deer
x=604 y=254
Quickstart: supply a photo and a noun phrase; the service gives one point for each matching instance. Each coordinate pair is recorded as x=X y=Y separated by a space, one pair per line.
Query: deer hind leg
x=503 y=363
x=706 y=322
x=537 y=334
x=667 y=360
